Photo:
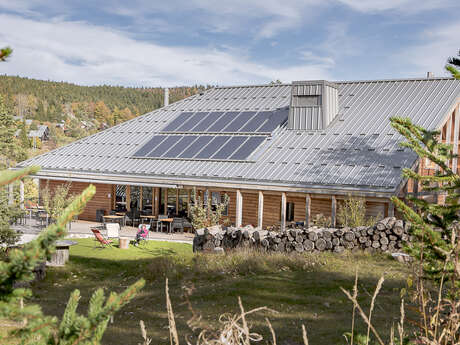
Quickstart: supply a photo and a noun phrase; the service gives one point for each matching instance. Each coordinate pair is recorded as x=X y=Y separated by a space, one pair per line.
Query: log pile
x=387 y=235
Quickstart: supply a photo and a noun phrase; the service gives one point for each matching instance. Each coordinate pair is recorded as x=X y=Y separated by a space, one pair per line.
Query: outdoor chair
x=178 y=223
x=99 y=238
x=160 y=217
x=186 y=225
x=135 y=217
x=113 y=230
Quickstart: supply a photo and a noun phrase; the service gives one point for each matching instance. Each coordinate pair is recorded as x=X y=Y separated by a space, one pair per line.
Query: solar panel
x=150 y=145
x=276 y=119
x=239 y=121
x=180 y=146
x=196 y=146
x=164 y=146
x=178 y=121
x=209 y=150
x=207 y=121
x=229 y=148
x=223 y=121
x=191 y=122
x=256 y=121
x=247 y=148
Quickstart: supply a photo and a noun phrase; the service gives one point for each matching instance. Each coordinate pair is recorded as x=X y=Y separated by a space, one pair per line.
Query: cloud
x=402 y=6
x=435 y=45
x=89 y=54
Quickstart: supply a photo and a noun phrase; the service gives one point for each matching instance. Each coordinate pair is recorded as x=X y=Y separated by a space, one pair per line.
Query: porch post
x=21 y=194
x=128 y=198
x=156 y=201
x=189 y=192
x=140 y=199
x=177 y=201
x=239 y=208
x=307 y=210
x=334 y=211
x=391 y=209
x=456 y=128
x=260 y=215
x=165 y=209
x=10 y=194
x=283 y=211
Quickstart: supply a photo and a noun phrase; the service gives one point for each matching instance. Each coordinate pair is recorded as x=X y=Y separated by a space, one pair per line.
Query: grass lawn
x=303 y=289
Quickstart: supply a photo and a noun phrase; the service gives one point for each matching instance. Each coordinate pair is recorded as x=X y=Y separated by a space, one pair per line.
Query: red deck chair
x=104 y=242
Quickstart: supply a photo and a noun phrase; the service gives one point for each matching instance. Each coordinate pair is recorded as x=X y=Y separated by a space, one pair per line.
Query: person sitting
x=142 y=233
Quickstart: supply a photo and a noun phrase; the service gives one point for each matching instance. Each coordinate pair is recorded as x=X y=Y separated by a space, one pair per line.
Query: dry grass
x=303 y=289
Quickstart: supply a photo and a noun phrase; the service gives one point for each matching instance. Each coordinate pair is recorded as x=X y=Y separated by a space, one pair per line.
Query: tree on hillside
x=453 y=66
x=10 y=151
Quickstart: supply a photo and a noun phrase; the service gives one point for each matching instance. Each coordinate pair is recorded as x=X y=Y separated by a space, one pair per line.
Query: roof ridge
x=335 y=81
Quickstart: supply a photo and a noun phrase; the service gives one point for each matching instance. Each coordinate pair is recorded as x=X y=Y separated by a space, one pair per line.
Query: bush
x=352 y=213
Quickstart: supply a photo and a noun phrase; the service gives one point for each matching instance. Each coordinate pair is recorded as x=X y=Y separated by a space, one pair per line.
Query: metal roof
x=358 y=149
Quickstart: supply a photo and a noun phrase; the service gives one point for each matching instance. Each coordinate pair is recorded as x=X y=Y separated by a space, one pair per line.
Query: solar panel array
x=231 y=135
x=221 y=147
x=227 y=122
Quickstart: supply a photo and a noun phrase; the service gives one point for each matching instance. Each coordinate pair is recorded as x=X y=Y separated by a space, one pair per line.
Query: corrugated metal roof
x=359 y=148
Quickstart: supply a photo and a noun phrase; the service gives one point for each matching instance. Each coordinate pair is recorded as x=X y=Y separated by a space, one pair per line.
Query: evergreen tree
x=435 y=226
x=32 y=326
x=10 y=151
x=23 y=137
x=453 y=66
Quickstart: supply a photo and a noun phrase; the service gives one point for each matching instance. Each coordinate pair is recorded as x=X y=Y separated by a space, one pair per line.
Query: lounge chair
x=104 y=242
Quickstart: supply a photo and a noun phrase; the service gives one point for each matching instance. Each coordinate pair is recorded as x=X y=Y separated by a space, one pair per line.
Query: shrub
x=352 y=213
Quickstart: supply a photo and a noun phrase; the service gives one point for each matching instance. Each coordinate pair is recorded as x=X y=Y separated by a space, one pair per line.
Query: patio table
x=150 y=218
x=168 y=221
x=119 y=219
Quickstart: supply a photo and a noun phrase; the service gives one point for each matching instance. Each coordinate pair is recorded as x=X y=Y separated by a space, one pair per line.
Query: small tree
x=31 y=326
x=55 y=202
x=204 y=215
x=434 y=225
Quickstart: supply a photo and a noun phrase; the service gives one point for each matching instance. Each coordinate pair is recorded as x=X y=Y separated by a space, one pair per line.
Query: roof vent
x=314 y=104
x=429 y=75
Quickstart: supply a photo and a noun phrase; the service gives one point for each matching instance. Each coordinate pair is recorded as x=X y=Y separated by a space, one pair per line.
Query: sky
x=219 y=42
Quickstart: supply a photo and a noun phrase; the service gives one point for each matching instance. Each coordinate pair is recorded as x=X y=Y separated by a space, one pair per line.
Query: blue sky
x=185 y=42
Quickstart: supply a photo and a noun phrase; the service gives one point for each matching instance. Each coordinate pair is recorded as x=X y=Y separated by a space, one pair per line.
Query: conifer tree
x=453 y=65
x=31 y=325
x=435 y=226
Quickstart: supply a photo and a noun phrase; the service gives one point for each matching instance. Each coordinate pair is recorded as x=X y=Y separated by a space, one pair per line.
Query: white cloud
x=404 y=6
x=431 y=54
x=88 y=54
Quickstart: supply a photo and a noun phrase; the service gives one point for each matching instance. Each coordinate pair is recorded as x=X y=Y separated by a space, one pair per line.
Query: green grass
x=304 y=289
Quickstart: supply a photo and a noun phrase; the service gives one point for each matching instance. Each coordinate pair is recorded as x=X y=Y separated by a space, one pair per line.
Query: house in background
x=282 y=153
x=42 y=133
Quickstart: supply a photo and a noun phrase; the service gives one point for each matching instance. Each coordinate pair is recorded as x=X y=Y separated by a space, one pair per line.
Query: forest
x=72 y=111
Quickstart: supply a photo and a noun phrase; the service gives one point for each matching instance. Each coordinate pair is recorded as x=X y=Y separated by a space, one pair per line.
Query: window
x=135 y=195
x=307 y=101
x=147 y=195
x=290 y=212
x=120 y=198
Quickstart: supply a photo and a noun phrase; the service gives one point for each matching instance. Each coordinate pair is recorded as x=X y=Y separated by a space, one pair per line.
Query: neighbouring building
x=42 y=133
x=281 y=153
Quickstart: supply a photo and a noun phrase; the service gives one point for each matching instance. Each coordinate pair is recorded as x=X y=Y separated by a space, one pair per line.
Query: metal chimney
x=429 y=75
x=166 y=102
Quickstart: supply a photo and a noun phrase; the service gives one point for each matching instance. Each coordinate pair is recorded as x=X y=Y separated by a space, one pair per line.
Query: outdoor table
x=123 y=214
x=61 y=255
x=150 y=218
x=116 y=218
x=167 y=220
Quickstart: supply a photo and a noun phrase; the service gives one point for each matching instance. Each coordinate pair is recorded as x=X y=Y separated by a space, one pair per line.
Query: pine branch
x=9 y=176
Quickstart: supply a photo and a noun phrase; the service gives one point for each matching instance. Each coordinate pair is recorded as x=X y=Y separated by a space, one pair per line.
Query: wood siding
x=100 y=200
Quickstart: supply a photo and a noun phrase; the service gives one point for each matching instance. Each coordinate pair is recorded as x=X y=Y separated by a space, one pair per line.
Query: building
x=42 y=133
x=281 y=153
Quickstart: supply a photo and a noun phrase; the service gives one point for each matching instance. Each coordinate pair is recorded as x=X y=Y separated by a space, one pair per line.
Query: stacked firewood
x=387 y=235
